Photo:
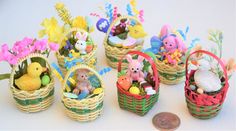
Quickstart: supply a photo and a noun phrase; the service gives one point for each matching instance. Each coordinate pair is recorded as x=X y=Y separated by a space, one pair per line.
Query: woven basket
x=137 y=103
x=170 y=74
x=113 y=54
x=87 y=109
x=205 y=106
x=88 y=59
x=37 y=100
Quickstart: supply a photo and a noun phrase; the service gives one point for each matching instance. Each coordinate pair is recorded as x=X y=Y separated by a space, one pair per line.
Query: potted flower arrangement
x=31 y=79
x=124 y=33
x=73 y=37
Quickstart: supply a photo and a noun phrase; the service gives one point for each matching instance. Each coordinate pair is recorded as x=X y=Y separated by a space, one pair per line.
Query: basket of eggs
x=82 y=93
x=206 y=83
x=170 y=50
x=73 y=37
x=138 y=83
x=123 y=33
x=31 y=81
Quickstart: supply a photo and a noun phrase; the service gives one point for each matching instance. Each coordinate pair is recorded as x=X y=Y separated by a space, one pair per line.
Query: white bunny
x=81 y=42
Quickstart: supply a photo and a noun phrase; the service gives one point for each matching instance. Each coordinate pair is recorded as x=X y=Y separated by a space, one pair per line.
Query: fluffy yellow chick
x=31 y=80
x=137 y=31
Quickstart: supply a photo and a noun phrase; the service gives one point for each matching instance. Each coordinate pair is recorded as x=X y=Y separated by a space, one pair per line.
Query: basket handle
x=80 y=66
x=212 y=55
x=23 y=59
x=150 y=60
x=116 y=20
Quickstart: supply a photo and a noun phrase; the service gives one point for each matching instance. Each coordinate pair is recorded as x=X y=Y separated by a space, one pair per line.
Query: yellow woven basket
x=88 y=59
x=169 y=74
x=113 y=54
x=87 y=109
x=34 y=101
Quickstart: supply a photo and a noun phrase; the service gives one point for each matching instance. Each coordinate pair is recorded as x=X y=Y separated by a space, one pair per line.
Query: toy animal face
x=135 y=66
x=82 y=75
x=137 y=31
x=170 y=43
x=34 y=69
x=81 y=43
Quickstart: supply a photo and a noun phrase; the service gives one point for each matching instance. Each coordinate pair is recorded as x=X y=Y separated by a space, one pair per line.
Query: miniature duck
x=31 y=80
x=206 y=80
x=135 y=35
x=74 y=54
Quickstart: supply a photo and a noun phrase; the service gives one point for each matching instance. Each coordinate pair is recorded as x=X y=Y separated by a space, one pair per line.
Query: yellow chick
x=74 y=54
x=31 y=80
x=137 y=31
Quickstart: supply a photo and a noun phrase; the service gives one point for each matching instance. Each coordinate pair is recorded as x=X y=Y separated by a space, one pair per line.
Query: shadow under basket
x=206 y=105
x=34 y=101
x=113 y=54
x=139 y=104
x=87 y=109
x=169 y=74
x=89 y=59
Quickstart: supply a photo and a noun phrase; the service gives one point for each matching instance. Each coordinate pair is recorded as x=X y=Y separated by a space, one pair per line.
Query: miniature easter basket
x=205 y=106
x=170 y=74
x=87 y=59
x=139 y=104
x=32 y=101
x=113 y=54
x=87 y=109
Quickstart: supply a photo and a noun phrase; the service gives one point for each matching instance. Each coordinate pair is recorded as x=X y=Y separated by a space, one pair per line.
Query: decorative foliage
x=63 y=13
x=109 y=11
x=216 y=37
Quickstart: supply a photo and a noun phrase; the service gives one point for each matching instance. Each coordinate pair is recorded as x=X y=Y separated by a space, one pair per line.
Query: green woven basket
x=139 y=104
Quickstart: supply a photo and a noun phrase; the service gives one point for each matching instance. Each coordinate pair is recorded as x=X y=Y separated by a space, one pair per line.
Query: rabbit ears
x=81 y=36
x=130 y=59
x=165 y=30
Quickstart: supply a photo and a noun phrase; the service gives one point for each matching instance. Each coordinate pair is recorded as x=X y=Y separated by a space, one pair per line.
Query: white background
x=22 y=18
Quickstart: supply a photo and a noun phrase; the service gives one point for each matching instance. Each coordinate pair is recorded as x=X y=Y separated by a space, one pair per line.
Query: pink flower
x=54 y=46
x=12 y=59
x=40 y=45
x=4 y=54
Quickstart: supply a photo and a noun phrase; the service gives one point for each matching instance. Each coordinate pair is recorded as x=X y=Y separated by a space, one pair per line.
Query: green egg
x=45 y=80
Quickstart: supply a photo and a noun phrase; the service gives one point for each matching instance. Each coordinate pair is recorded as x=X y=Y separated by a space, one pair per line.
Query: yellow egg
x=134 y=90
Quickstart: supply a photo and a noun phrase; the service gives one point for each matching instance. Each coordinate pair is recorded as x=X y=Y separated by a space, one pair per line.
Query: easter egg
x=103 y=25
x=70 y=95
x=97 y=91
x=134 y=90
x=45 y=80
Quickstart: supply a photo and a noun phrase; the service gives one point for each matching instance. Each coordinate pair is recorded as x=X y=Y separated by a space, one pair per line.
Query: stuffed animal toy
x=81 y=42
x=83 y=87
x=135 y=73
x=170 y=41
x=135 y=68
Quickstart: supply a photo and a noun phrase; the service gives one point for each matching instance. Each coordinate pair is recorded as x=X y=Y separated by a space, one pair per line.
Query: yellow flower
x=59 y=5
x=52 y=30
x=230 y=66
x=79 y=22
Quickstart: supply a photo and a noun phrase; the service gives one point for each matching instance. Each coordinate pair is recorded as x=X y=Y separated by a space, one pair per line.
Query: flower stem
x=4 y=76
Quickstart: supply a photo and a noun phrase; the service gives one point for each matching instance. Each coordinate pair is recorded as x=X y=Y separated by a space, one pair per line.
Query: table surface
x=22 y=18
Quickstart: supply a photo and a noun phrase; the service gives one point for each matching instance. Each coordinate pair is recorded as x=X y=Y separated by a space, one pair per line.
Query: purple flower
x=54 y=46
x=68 y=45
